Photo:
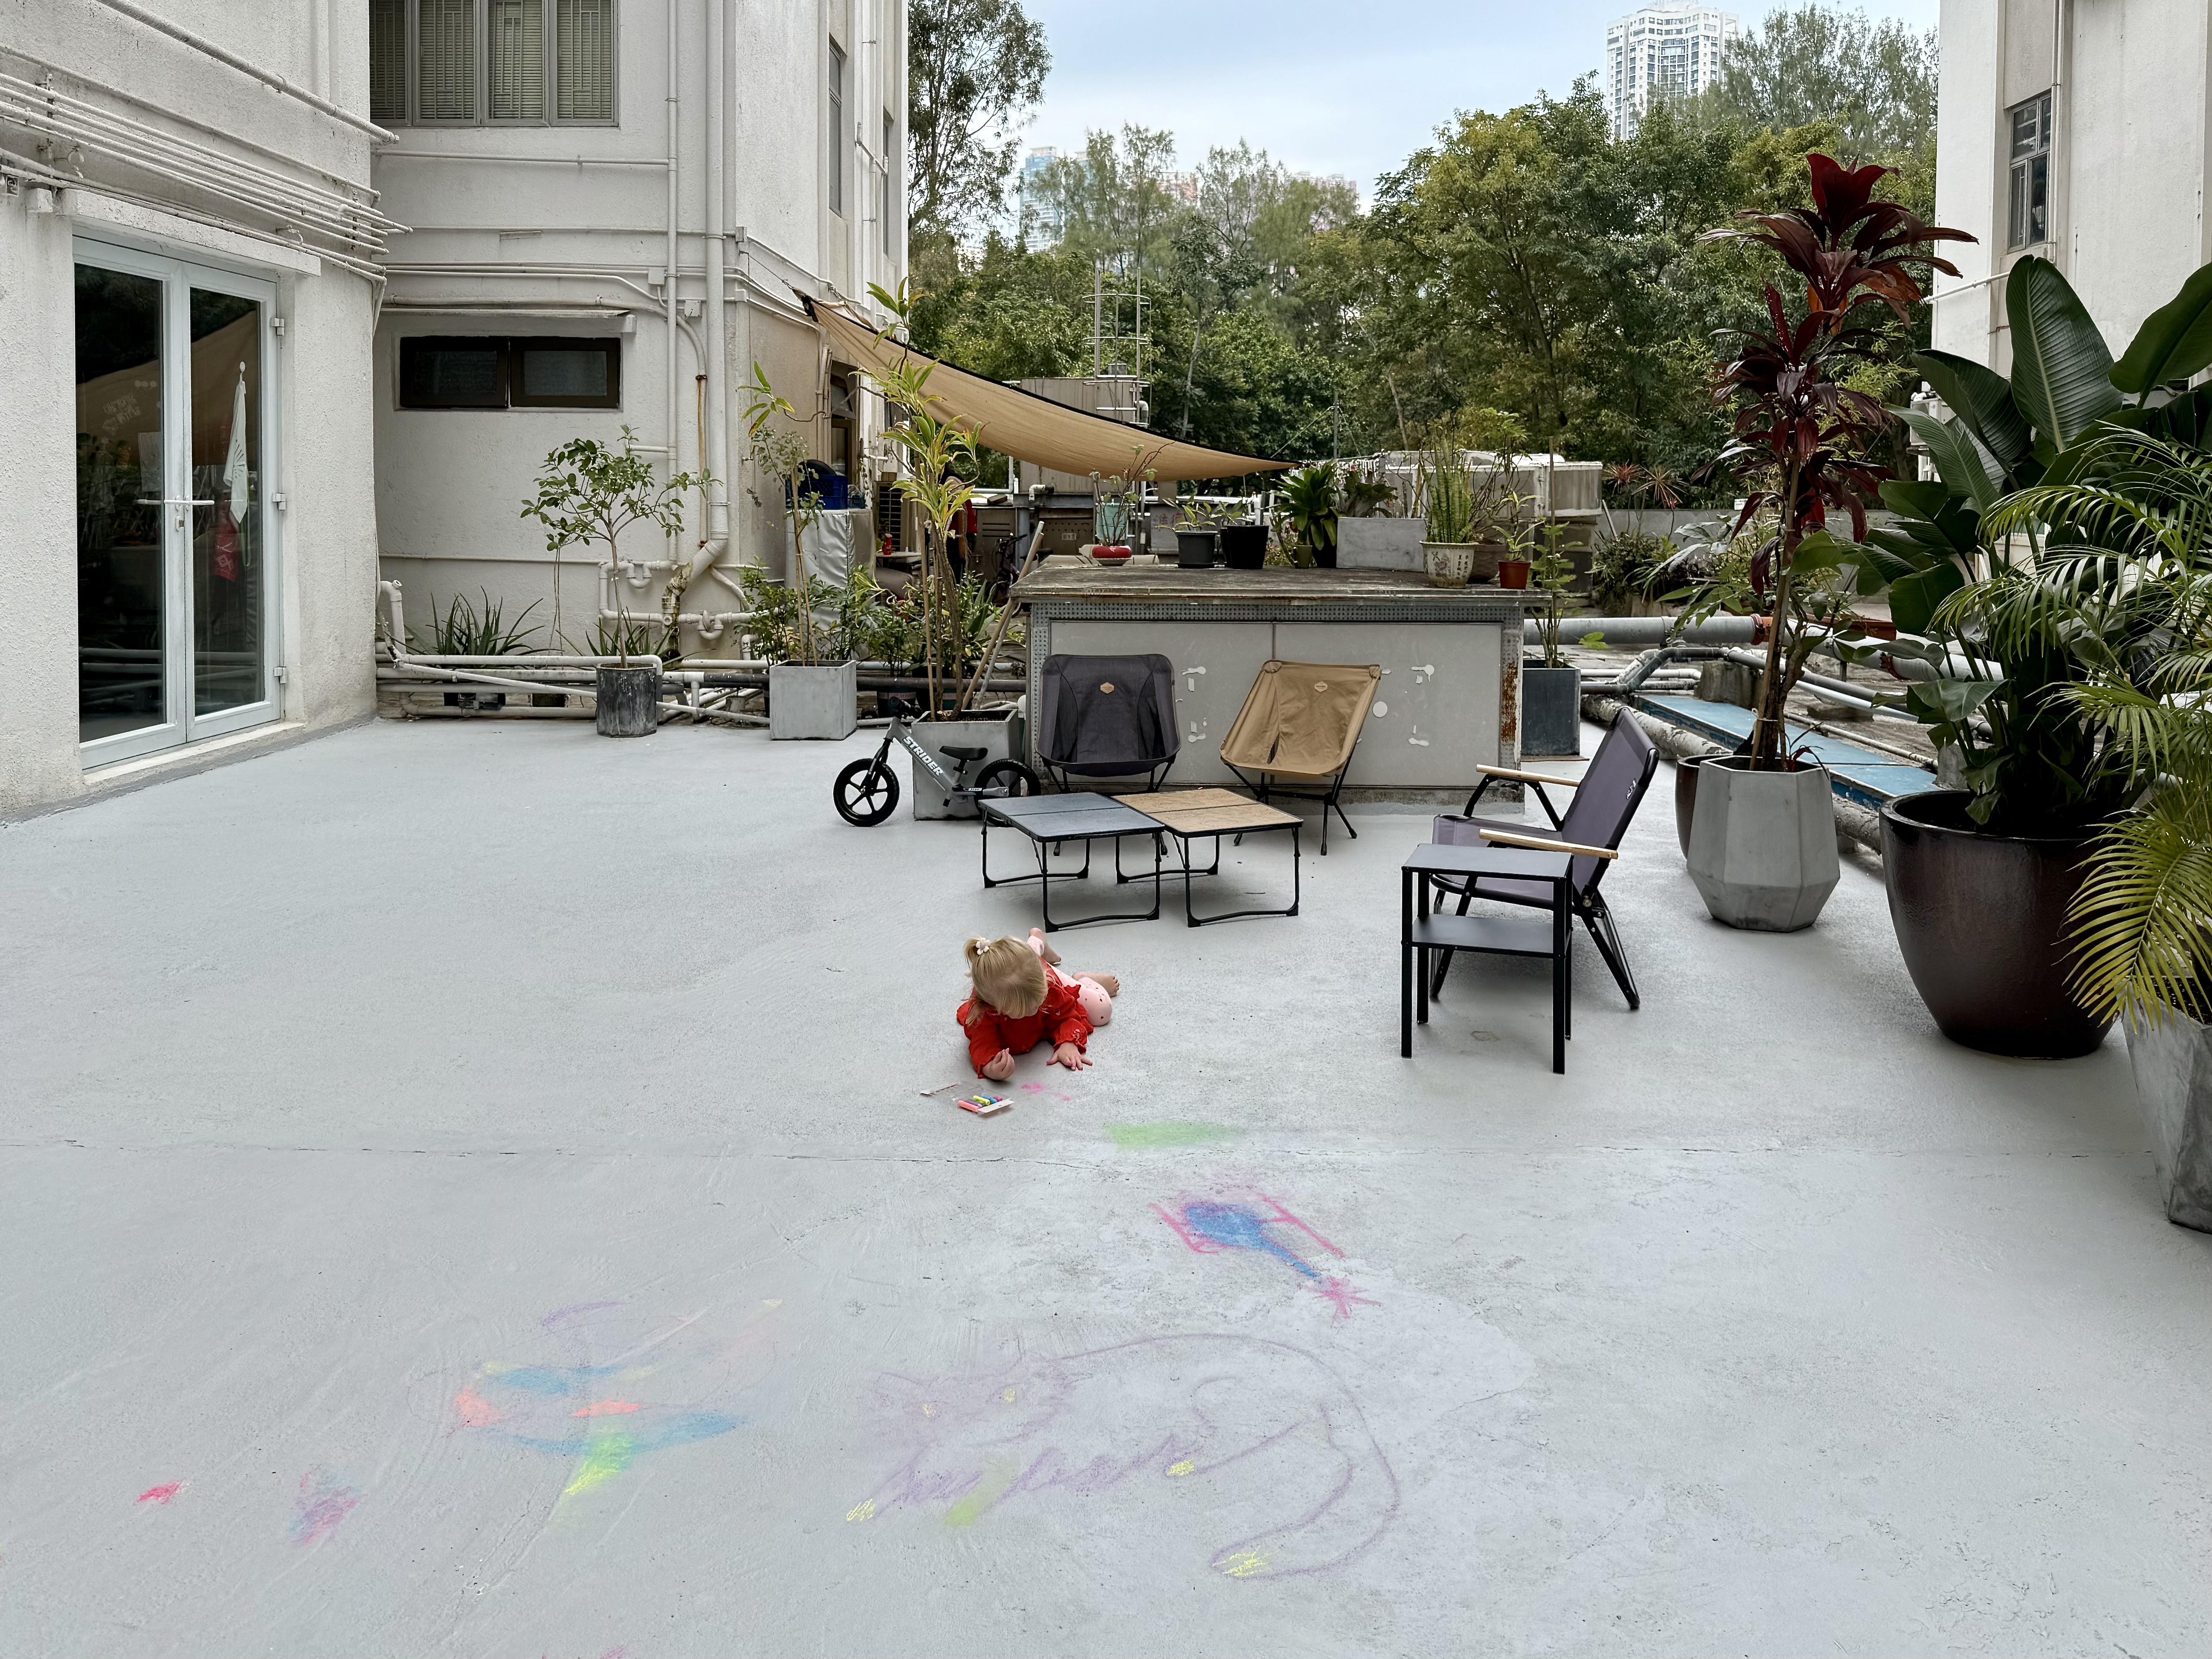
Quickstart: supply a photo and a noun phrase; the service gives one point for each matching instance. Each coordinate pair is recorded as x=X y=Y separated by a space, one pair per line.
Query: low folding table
x=1420 y=933
x=1188 y=814
x=1047 y=820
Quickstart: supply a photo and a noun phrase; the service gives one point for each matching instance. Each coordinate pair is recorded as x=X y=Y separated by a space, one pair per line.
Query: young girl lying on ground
x=1020 y=997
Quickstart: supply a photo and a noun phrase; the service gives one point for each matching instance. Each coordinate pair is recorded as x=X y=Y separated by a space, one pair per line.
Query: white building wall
x=2129 y=155
x=502 y=247
x=322 y=545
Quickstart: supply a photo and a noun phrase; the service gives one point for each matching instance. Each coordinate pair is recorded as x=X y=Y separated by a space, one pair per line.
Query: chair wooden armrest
x=1539 y=844
x=1527 y=777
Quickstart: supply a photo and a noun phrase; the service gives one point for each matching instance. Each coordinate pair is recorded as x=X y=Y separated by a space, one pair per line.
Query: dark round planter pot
x=1981 y=921
x=1244 y=546
x=1195 y=549
x=629 y=700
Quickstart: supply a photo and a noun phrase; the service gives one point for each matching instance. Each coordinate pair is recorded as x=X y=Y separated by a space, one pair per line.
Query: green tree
x=1811 y=62
x=975 y=71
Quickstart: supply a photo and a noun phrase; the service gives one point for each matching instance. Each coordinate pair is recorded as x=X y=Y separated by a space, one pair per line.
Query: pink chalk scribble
x=161 y=1494
x=609 y=1408
x=1339 y=1293
x=476 y=1412
x=323 y=1502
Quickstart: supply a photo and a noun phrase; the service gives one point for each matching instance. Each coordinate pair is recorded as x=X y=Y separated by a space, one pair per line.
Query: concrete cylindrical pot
x=1686 y=795
x=1195 y=549
x=1763 y=844
x=1550 y=712
x=1981 y=920
x=628 y=699
x=2172 y=1064
x=818 y=700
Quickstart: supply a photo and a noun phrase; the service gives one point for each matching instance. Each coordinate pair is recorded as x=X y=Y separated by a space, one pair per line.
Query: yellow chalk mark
x=605 y=1455
x=636 y=1372
x=499 y=1367
x=928 y=1410
x=773 y=1302
x=1244 y=1563
x=863 y=1510
x=1008 y=1396
x=1183 y=1467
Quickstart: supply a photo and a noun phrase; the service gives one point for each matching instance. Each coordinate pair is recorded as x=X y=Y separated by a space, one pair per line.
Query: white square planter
x=2173 y=1080
x=999 y=734
x=1380 y=544
x=813 y=703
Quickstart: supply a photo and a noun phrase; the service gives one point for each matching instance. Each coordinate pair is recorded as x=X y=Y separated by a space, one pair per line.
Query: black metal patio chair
x=1606 y=799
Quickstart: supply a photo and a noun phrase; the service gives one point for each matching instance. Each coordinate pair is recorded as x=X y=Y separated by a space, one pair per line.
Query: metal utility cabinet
x=1450 y=658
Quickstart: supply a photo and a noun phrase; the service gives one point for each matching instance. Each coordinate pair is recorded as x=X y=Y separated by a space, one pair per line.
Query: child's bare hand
x=1069 y=1055
x=999 y=1067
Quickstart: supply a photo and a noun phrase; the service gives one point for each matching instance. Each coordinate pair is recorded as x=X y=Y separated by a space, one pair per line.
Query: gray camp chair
x=1106 y=717
x=1606 y=798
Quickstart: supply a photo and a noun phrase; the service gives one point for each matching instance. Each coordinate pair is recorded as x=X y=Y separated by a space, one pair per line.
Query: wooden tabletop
x=1209 y=811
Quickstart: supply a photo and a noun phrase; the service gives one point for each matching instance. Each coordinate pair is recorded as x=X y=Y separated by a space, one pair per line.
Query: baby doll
x=1096 y=992
x=1017 y=1000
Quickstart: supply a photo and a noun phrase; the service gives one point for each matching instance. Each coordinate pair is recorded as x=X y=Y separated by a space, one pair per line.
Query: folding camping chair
x=1302 y=721
x=1107 y=717
x=1606 y=798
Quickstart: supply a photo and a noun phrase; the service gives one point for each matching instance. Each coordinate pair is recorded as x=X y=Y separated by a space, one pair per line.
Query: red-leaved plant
x=1802 y=440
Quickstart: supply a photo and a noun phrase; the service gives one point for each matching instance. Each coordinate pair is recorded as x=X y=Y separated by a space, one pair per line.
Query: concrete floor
x=466 y=1191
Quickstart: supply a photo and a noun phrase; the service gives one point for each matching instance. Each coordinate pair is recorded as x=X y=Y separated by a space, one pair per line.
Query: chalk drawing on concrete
x=161 y=1494
x=1255 y=1428
x=607 y=1391
x=1241 y=1222
x=323 y=1501
x=1144 y=1137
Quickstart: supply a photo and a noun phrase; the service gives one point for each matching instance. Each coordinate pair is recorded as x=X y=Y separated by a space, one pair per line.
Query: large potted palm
x=1762 y=838
x=2015 y=589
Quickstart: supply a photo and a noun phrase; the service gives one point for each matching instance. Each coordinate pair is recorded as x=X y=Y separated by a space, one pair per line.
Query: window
x=496 y=372
x=890 y=176
x=836 y=129
x=513 y=63
x=2031 y=173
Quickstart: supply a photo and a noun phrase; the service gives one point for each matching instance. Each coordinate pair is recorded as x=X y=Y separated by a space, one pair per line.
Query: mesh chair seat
x=1107 y=717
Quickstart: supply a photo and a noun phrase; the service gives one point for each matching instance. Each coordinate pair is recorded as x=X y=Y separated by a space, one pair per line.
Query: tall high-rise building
x=1669 y=49
x=1039 y=210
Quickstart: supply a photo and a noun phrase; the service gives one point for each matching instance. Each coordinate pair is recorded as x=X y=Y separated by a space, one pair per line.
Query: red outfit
x=1061 y=1016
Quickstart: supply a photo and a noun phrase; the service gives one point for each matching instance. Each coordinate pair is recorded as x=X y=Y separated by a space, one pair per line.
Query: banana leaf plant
x=1972 y=587
x=1802 y=439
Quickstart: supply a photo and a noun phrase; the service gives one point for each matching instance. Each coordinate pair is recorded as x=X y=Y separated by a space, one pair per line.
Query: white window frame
x=179 y=278
x=2020 y=175
x=833 y=94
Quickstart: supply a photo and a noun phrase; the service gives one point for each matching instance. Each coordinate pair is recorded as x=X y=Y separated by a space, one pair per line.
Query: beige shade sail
x=1032 y=429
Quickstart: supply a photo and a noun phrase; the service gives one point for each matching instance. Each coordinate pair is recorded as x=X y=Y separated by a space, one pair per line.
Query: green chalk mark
x=1169 y=1134
x=967 y=1511
x=605 y=1455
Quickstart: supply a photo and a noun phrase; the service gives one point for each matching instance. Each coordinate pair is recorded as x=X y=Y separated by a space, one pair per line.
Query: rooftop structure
x=1668 y=50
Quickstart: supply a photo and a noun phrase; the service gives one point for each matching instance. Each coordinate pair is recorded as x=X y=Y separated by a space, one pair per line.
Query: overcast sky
x=1349 y=86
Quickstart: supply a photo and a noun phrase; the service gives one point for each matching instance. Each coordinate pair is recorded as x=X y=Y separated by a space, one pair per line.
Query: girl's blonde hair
x=1008 y=975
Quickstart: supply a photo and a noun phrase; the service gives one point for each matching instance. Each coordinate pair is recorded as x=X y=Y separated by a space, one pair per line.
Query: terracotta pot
x=1981 y=920
x=1513 y=573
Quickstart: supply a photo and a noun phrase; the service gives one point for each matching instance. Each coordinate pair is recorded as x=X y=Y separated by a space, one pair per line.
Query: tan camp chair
x=1302 y=721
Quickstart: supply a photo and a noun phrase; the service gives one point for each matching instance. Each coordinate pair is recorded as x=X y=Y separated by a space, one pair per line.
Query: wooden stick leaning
x=1005 y=618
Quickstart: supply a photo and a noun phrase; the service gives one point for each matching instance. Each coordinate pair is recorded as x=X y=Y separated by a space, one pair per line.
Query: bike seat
x=964 y=754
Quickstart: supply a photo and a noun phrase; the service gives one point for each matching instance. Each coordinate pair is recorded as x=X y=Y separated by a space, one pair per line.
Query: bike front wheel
x=867 y=792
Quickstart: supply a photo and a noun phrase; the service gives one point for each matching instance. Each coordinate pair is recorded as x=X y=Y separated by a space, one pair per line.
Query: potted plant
x=1551 y=686
x=1762 y=840
x=1197 y=534
x=1447 y=505
x=1981 y=878
x=813 y=684
x=1309 y=497
x=588 y=491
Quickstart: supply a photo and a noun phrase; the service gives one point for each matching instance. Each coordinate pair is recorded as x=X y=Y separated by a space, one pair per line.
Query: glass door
x=175 y=601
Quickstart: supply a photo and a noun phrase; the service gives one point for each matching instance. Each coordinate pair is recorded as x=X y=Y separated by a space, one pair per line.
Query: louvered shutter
x=585 y=42
x=446 y=74
x=387 y=60
x=518 y=60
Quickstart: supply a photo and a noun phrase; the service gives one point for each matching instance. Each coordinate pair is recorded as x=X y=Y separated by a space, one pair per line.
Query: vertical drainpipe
x=673 y=103
x=718 y=311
